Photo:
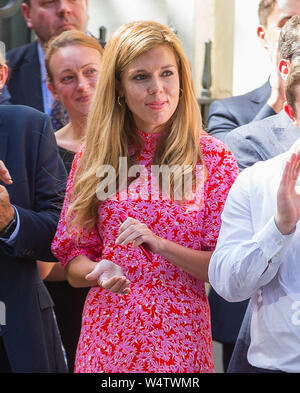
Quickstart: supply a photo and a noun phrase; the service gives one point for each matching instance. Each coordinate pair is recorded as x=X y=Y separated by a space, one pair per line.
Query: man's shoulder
x=21 y=114
x=259 y=94
x=255 y=128
x=17 y=55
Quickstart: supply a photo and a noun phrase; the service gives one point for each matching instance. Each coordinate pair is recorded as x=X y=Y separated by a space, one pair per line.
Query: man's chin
x=65 y=28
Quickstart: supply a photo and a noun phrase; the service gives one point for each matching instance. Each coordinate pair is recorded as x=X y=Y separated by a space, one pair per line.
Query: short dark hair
x=27 y=2
x=293 y=81
x=265 y=8
x=289 y=39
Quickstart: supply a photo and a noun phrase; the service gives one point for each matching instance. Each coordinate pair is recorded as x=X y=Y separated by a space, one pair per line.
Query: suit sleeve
x=220 y=120
x=244 y=150
x=38 y=224
x=264 y=112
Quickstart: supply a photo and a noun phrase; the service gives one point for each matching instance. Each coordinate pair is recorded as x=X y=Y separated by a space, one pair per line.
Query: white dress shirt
x=253 y=259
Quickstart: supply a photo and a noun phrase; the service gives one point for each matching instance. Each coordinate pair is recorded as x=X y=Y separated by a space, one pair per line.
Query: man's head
x=48 y=18
x=289 y=45
x=273 y=14
x=289 y=39
x=292 y=93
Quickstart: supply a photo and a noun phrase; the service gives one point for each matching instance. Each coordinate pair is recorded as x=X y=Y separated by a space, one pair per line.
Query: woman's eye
x=67 y=78
x=140 y=77
x=167 y=73
x=91 y=72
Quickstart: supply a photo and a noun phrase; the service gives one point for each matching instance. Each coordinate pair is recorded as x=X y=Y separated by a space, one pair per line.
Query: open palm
x=288 y=200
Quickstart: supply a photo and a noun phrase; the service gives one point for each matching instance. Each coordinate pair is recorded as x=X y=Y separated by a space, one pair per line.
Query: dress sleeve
x=222 y=170
x=68 y=244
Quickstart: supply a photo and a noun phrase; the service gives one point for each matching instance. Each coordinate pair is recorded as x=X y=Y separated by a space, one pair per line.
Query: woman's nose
x=155 y=86
x=82 y=82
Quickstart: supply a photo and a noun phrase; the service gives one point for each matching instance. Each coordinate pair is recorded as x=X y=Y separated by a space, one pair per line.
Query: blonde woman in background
x=143 y=313
x=73 y=61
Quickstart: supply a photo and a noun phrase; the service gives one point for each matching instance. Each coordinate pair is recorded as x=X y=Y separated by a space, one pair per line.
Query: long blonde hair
x=110 y=128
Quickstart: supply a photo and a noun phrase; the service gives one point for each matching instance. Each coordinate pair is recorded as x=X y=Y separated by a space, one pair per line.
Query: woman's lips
x=84 y=99
x=157 y=105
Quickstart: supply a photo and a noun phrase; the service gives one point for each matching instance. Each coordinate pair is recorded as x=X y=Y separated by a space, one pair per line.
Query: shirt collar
x=41 y=55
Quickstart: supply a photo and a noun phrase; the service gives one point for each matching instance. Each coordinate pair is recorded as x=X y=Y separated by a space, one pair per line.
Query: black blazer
x=227 y=114
x=28 y=149
x=24 y=82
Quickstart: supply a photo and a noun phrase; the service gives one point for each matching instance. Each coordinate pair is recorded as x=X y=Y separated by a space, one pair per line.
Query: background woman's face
x=150 y=86
x=75 y=70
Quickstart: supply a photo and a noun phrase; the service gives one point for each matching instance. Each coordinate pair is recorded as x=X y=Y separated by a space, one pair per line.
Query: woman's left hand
x=135 y=232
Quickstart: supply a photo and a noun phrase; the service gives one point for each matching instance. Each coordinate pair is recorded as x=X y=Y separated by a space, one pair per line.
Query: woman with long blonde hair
x=128 y=228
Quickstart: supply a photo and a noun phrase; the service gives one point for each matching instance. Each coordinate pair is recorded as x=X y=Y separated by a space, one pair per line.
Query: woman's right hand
x=110 y=277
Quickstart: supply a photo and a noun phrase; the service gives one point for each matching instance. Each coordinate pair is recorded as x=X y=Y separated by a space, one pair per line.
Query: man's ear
x=284 y=67
x=3 y=75
x=53 y=91
x=261 y=34
x=26 y=13
x=290 y=112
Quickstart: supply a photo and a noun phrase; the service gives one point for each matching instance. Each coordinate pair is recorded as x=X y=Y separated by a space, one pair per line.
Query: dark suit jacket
x=261 y=140
x=24 y=82
x=227 y=114
x=28 y=149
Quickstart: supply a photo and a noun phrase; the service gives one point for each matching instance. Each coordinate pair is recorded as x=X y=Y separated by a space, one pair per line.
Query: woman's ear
x=119 y=88
x=53 y=91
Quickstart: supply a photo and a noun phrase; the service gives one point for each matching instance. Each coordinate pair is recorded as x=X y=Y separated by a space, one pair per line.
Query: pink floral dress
x=163 y=324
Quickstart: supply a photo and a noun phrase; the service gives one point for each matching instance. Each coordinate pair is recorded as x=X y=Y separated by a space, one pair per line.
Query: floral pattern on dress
x=163 y=324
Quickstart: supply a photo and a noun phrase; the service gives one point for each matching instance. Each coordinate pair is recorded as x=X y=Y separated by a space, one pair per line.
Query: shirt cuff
x=11 y=240
x=272 y=241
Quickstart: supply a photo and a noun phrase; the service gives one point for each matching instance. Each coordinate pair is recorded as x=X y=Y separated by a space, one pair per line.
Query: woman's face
x=75 y=71
x=150 y=86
